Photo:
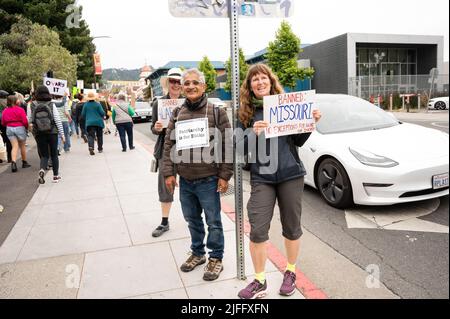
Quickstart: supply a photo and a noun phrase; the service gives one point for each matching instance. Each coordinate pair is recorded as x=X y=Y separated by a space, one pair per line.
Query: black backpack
x=43 y=118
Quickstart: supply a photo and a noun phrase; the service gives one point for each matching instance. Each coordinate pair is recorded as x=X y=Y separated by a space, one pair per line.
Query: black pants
x=48 y=147
x=128 y=129
x=94 y=131
x=6 y=141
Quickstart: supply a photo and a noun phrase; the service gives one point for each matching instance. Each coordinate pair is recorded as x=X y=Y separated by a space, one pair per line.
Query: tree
x=243 y=69
x=28 y=51
x=62 y=16
x=282 y=57
x=210 y=74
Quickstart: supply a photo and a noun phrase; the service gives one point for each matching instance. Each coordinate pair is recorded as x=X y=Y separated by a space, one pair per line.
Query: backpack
x=43 y=118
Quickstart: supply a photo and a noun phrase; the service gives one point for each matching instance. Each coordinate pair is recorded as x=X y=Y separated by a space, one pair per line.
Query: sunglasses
x=172 y=81
x=195 y=83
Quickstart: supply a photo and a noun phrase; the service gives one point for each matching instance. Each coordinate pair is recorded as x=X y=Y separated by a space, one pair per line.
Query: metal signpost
x=232 y=9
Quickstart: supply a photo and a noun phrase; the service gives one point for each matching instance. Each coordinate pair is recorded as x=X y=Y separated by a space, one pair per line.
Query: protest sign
x=192 y=134
x=165 y=108
x=289 y=113
x=56 y=86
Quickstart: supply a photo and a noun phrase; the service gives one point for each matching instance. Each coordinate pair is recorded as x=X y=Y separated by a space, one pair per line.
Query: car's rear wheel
x=440 y=105
x=333 y=184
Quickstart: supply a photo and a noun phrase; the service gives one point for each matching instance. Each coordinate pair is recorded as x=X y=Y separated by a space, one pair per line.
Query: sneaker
x=13 y=167
x=161 y=229
x=132 y=148
x=41 y=176
x=213 y=269
x=288 y=286
x=100 y=151
x=91 y=151
x=192 y=262
x=56 y=179
x=254 y=290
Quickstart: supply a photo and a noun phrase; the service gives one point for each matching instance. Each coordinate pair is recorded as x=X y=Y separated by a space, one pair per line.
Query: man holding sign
x=191 y=131
x=276 y=169
x=158 y=127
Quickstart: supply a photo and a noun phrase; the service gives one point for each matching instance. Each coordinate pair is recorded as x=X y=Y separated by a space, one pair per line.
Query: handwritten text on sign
x=289 y=113
x=165 y=108
x=56 y=86
x=192 y=134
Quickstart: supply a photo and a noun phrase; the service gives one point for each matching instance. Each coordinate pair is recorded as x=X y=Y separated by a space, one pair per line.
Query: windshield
x=342 y=114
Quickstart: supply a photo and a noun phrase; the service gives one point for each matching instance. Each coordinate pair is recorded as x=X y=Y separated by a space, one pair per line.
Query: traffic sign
x=219 y=8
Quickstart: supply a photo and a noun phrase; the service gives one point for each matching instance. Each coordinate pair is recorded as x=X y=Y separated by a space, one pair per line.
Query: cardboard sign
x=165 y=108
x=56 y=86
x=289 y=113
x=192 y=134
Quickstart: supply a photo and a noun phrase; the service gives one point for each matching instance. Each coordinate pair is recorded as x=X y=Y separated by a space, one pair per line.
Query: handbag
x=154 y=165
x=3 y=151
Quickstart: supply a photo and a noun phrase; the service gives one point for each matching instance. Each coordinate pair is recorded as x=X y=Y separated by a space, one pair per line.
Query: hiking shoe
x=56 y=179
x=192 y=262
x=213 y=269
x=288 y=286
x=161 y=229
x=254 y=290
x=41 y=176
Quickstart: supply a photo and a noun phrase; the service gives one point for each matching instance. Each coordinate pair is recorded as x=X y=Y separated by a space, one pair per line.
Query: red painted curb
x=306 y=286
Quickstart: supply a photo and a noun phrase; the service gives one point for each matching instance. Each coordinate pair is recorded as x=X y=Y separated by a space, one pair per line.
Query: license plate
x=440 y=181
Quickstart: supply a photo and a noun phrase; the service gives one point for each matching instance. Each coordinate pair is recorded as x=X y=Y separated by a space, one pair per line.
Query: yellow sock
x=261 y=277
x=290 y=267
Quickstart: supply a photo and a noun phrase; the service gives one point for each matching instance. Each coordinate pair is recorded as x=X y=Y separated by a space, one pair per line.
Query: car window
x=142 y=105
x=345 y=114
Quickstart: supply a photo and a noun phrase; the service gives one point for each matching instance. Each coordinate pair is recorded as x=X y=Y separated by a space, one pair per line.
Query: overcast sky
x=144 y=30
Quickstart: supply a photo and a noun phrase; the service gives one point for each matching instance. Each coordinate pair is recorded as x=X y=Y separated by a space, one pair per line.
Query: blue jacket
x=93 y=114
x=279 y=167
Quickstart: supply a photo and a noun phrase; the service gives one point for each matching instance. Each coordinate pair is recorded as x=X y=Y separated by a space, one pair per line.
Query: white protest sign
x=165 y=108
x=192 y=134
x=289 y=113
x=56 y=86
x=80 y=84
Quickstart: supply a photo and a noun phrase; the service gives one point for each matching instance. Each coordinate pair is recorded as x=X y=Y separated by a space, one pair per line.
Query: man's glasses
x=195 y=83
x=172 y=81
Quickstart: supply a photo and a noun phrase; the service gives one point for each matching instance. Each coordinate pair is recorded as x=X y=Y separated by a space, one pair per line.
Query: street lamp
x=94 y=57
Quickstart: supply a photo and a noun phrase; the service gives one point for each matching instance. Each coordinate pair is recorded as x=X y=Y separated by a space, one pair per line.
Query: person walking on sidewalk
x=201 y=182
x=93 y=115
x=15 y=120
x=165 y=198
x=64 y=114
x=3 y=96
x=81 y=121
x=283 y=184
x=122 y=117
x=46 y=127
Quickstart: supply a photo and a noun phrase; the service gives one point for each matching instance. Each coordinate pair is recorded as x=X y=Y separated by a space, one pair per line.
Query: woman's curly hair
x=246 y=110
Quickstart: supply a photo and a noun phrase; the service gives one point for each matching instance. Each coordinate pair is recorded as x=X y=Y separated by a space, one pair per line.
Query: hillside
x=121 y=75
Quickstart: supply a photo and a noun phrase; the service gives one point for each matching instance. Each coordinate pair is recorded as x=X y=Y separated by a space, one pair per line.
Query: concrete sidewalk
x=89 y=236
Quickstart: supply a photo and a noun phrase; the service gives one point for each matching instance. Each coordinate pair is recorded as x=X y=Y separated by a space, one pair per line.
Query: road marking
x=398 y=217
x=438 y=125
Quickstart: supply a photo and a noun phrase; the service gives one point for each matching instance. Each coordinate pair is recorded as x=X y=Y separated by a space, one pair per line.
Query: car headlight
x=370 y=159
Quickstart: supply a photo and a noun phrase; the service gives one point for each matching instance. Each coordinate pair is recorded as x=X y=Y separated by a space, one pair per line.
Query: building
x=369 y=65
x=159 y=74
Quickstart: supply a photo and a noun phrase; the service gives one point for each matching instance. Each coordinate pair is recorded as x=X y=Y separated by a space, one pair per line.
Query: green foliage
x=243 y=69
x=54 y=14
x=283 y=54
x=28 y=52
x=210 y=74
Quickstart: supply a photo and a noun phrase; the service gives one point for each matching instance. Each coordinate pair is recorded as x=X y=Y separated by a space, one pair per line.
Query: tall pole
x=235 y=85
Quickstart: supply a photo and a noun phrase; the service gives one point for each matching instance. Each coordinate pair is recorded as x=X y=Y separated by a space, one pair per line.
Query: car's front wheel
x=334 y=184
x=440 y=105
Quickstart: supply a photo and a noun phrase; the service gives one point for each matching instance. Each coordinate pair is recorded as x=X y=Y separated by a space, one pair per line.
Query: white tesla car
x=361 y=154
x=438 y=103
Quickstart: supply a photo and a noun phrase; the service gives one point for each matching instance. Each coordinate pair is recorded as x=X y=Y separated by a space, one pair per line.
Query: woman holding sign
x=277 y=177
x=157 y=128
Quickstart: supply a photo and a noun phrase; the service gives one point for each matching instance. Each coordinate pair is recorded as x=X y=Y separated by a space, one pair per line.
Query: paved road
x=411 y=264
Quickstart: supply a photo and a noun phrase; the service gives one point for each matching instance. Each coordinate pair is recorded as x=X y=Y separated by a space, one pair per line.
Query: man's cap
x=174 y=73
x=3 y=94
